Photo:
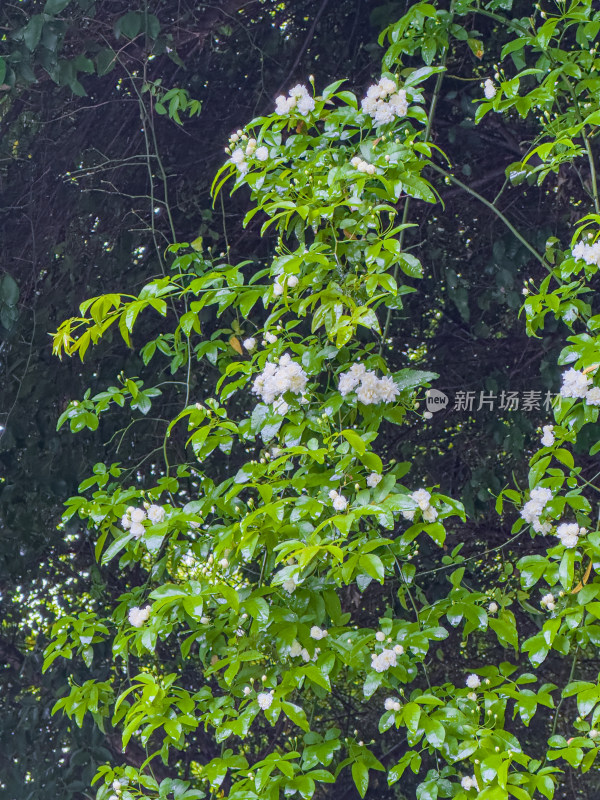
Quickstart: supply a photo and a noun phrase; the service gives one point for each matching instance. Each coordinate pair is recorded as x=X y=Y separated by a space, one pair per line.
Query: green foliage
x=253 y=647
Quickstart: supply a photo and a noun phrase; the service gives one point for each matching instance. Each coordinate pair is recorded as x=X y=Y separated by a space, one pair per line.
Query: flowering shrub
x=247 y=574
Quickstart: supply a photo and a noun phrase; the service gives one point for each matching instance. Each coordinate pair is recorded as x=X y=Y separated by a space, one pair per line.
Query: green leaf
x=360 y=776
x=355 y=441
x=296 y=714
x=105 y=61
x=55 y=6
x=129 y=25
x=33 y=31
x=9 y=290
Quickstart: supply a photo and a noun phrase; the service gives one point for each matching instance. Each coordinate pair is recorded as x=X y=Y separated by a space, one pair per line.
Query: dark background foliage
x=95 y=182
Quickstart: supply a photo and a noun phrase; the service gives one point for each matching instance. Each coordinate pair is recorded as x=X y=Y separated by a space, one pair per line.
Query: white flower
x=339 y=502
x=126 y=521
x=430 y=514
x=137 y=515
x=469 y=783
x=391 y=704
x=386 y=86
x=575 y=384
x=399 y=103
x=541 y=527
x=317 y=633
x=262 y=153
x=277 y=288
x=371 y=389
x=388 y=391
x=381 y=662
x=349 y=380
x=292 y=281
x=275 y=380
x=489 y=89
x=238 y=156
x=534 y=507
x=408 y=513
x=264 y=700
x=590 y=253
x=380 y=636
x=156 y=514
x=398 y=649
x=137 y=530
x=384 y=101
x=247 y=690
x=493 y=607
x=473 y=681
x=548 y=436
x=568 y=533
x=547 y=601
x=593 y=733
x=472 y=696
x=421 y=498
x=270 y=337
x=299 y=98
x=283 y=105
x=137 y=616
x=250 y=344
x=289 y=585
x=373 y=479
x=592 y=397
x=305 y=655
x=295 y=649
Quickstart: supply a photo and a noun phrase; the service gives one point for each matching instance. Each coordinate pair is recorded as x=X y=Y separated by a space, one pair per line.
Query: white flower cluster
x=276 y=379
x=250 y=344
x=247 y=148
x=575 y=384
x=298 y=98
x=384 y=102
x=489 y=89
x=373 y=480
x=297 y=650
x=548 y=436
x=569 y=533
x=369 y=388
x=590 y=253
x=318 y=633
x=265 y=700
x=473 y=681
x=469 y=782
x=534 y=507
x=423 y=500
x=547 y=602
x=338 y=501
x=381 y=662
x=278 y=286
x=133 y=519
x=137 y=616
x=363 y=166
x=392 y=704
